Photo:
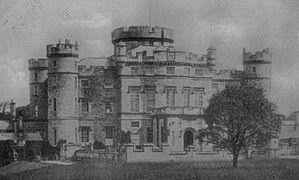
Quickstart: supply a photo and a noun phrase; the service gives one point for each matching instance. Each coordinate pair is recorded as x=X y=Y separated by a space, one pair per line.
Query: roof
x=94 y=61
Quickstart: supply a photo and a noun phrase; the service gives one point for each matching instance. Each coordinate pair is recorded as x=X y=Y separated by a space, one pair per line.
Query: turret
x=257 y=69
x=211 y=57
x=38 y=74
x=62 y=92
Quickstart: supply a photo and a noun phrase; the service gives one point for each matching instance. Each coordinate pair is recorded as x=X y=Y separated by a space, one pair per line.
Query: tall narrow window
x=143 y=54
x=170 y=98
x=134 y=99
x=55 y=136
x=75 y=82
x=54 y=104
x=164 y=131
x=149 y=135
x=84 y=105
x=54 y=63
x=109 y=132
x=198 y=92
x=150 y=93
x=76 y=105
x=35 y=76
x=36 y=111
x=186 y=92
x=85 y=133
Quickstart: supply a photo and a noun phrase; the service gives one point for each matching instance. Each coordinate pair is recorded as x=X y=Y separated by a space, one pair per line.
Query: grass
x=251 y=170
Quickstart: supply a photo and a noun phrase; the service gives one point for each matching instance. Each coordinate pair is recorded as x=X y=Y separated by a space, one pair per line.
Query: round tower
x=211 y=57
x=62 y=92
x=257 y=69
x=38 y=73
x=134 y=36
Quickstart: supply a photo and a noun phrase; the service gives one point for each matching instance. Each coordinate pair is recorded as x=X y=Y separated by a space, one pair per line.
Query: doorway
x=188 y=139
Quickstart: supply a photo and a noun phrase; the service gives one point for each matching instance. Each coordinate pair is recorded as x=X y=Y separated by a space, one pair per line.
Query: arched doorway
x=188 y=139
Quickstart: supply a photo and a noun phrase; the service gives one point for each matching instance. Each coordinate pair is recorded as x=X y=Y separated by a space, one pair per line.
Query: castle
x=147 y=87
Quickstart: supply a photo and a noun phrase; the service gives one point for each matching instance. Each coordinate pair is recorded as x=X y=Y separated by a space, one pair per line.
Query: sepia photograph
x=149 y=89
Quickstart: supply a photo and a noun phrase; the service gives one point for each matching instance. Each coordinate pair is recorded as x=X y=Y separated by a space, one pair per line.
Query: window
x=187 y=71
x=150 y=93
x=54 y=104
x=134 y=99
x=170 y=98
x=35 y=76
x=254 y=69
x=143 y=54
x=135 y=124
x=54 y=63
x=170 y=70
x=84 y=83
x=170 y=56
x=164 y=132
x=134 y=70
x=109 y=132
x=36 y=111
x=84 y=133
x=85 y=92
x=76 y=105
x=150 y=70
x=149 y=135
x=186 y=92
x=199 y=97
x=35 y=89
x=108 y=107
x=75 y=82
x=85 y=105
x=198 y=72
x=55 y=136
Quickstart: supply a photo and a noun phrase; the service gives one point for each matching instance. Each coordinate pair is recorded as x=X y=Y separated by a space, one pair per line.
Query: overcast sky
x=27 y=26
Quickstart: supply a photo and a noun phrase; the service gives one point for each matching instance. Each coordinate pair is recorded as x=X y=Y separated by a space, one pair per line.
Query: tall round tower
x=38 y=73
x=62 y=92
x=257 y=69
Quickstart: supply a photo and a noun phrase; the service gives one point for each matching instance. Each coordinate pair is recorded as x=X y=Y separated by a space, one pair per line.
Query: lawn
x=251 y=169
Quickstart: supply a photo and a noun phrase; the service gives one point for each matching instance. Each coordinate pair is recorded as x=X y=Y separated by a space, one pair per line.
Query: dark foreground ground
x=252 y=169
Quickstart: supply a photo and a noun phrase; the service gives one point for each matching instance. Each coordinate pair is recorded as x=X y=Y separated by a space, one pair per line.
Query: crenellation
x=63 y=49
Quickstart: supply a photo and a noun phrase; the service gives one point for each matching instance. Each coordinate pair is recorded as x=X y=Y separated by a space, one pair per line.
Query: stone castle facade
x=147 y=87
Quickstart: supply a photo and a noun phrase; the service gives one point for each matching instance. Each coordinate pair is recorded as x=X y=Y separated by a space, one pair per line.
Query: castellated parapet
x=265 y=56
x=142 y=35
x=63 y=49
x=62 y=92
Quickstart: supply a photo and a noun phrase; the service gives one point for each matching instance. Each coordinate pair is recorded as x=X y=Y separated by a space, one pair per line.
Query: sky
x=27 y=26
